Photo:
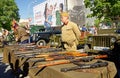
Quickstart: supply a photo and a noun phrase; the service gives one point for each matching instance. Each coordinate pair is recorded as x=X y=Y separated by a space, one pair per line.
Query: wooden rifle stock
x=43 y=46
x=52 y=58
x=101 y=56
x=56 y=55
x=53 y=63
x=77 y=54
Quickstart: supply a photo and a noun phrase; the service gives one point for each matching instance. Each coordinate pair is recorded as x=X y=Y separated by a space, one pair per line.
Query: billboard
x=48 y=12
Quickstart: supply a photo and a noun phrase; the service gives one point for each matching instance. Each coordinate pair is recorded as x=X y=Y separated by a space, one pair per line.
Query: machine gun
x=89 y=58
x=85 y=66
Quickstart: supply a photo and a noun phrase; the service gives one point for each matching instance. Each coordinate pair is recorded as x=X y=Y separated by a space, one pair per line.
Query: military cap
x=65 y=14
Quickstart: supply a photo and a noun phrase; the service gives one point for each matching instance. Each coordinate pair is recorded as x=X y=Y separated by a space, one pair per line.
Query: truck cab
x=43 y=38
x=105 y=40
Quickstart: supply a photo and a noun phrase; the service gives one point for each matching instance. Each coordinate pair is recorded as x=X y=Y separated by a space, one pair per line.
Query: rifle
x=57 y=57
x=31 y=47
x=42 y=50
x=43 y=46
x=51 y=59
x=85 y=66
x=76 y=54
x=84 y=59
x=53 y=56
x=46 y=55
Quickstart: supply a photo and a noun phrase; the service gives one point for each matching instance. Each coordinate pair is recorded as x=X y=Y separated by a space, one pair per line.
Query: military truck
x=105 y=40
x=41 y=37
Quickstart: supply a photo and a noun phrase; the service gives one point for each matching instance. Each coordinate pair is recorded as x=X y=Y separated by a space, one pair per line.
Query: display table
x=54 y=71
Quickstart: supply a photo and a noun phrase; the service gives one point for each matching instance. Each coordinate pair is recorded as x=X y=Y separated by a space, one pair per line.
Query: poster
x=48 y=13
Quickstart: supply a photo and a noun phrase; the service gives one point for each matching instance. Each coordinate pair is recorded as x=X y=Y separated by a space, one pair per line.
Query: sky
x=26 y=7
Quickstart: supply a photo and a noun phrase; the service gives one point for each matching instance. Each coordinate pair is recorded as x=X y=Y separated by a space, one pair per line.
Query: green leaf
x=8 y=11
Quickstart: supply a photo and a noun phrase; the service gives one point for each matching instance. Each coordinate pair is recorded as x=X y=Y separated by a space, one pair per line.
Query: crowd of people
x=91 y=30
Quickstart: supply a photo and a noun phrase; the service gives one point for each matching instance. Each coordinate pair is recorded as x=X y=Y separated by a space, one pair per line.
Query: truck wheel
x=41 y=43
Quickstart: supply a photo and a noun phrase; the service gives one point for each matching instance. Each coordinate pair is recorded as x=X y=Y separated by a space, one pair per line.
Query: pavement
x=5 y=70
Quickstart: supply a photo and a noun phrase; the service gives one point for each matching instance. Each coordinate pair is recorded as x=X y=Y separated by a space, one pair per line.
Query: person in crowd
x=5 y=37
x=84 y=30
x=20 y=34
x=14 y=22
x=5 y=32
x=70 y=33
x=93 y=30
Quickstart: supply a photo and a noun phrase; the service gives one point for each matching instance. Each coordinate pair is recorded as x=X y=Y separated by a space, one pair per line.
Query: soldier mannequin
x=70 y=33
x=21 y=35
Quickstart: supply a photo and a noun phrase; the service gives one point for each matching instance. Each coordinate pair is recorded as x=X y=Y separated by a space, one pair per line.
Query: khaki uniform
x=21 y=34
x=70 y=36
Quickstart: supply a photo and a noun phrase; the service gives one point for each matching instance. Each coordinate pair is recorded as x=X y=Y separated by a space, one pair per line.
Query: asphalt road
x=5 y=71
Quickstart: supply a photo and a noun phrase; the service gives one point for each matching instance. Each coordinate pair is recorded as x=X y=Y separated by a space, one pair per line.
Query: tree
x=8 y=12
x=109 y=9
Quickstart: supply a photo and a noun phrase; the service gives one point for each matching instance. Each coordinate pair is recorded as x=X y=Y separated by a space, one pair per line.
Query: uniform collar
x=66 y=23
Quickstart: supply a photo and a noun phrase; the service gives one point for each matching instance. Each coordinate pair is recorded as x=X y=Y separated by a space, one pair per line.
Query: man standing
x=70 y=33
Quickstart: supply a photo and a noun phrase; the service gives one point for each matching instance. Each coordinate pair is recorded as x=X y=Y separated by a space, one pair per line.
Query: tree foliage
x=8 y=12
x=109 y=9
